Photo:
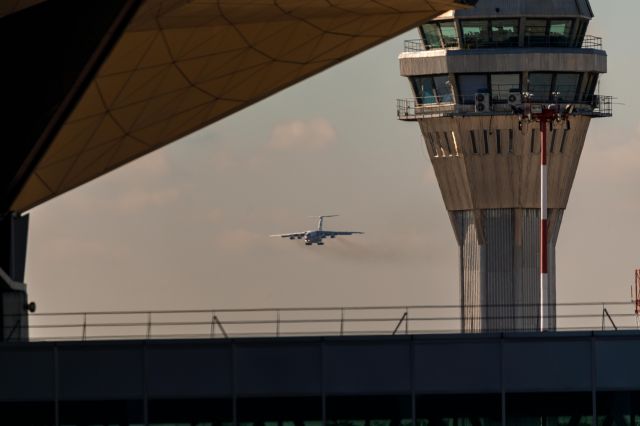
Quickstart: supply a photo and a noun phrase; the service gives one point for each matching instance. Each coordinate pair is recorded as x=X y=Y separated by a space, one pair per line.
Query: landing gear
x=320 y=244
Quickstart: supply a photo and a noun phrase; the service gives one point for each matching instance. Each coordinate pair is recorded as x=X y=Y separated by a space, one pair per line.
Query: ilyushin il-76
x=316 y=236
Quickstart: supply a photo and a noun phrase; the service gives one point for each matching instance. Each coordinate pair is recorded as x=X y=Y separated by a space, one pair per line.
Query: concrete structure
x=580 y=379
x=477 y=76
x=90 y=86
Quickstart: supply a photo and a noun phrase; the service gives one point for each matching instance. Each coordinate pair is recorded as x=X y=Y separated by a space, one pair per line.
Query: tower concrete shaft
x=480 y=79
x=489 y=176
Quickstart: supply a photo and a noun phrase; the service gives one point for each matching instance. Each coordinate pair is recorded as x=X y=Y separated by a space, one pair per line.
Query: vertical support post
x=84 y=327
x=544 y=271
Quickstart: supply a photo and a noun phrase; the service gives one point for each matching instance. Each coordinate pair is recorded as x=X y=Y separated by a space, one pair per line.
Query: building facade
x=577 y=379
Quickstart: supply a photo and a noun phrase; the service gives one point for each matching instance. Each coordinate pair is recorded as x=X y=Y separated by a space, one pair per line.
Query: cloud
x=614 y=163
x=238 y=240
x=138 y=199
x=316 y=133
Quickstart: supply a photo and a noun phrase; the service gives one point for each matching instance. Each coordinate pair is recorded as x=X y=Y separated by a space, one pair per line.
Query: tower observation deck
x=479 y=77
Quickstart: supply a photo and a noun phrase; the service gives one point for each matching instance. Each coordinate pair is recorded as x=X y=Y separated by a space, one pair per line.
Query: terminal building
x=134 y=75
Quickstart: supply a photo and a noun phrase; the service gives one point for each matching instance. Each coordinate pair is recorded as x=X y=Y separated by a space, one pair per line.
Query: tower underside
x=487 y=167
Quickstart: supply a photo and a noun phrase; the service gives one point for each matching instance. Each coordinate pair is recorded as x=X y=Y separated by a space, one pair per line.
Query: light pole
x=545 y=115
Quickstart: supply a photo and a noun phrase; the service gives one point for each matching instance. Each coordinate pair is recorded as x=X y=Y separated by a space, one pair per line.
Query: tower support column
x=13 y=293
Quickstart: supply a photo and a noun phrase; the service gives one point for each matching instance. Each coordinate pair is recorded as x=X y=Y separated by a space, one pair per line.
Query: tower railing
x=412 y=109
x=588 y=42
x=322 y=321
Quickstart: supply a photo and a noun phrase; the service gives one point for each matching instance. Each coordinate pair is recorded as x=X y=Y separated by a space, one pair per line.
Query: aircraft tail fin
x=321 y=219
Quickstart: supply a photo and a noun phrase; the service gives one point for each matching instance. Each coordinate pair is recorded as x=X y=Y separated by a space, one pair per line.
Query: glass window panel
x=475 y=33
x=535 y=33
x=590 y=87
x=567 y=86
x=101 y=413
x=437 y=410
x=369 y=410
x=470 y=84
x=502 y=84
x=560 y=32
x=582 y=32
x=505 y=33
x=431 y=35
x=27 y=413
x=559 y=409
x=209 y=412
x=443 y=88
x=425 y=93
x=618 y=408
x=540 y=86
x=449 y=34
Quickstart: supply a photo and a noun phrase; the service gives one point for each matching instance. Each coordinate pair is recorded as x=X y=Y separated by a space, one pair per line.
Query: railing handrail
x=531 y=42
x=435 y=106
x=310 y=321
x=310 y=309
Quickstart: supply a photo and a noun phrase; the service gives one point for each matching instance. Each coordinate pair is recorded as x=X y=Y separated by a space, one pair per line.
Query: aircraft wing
x=337 y=233
x=293 y=235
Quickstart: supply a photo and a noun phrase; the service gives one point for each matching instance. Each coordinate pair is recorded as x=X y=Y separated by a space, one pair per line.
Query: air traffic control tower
x=492 y=84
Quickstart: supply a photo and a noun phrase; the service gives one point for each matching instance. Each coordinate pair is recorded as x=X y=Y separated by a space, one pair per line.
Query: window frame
x=442 y=43
x=469 y=98
x=437 y=97
x=494 y=100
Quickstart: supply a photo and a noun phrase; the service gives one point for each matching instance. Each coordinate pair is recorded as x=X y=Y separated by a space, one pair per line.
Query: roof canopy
x=162 y=69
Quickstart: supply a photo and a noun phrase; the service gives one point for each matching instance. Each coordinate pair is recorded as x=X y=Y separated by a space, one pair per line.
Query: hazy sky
x=187 y=227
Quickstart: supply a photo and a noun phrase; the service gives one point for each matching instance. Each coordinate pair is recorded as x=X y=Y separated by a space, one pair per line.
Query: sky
x=188 y=226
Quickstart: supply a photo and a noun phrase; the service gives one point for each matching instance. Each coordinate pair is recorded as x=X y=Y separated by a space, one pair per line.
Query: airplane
x=316 y=236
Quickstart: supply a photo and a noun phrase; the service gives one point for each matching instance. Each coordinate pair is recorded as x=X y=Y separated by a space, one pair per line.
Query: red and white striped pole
x=544 y=270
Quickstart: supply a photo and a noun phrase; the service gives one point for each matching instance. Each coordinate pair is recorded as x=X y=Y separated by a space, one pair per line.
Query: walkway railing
x=589 y=42
x=332 y=321
x=437 y=106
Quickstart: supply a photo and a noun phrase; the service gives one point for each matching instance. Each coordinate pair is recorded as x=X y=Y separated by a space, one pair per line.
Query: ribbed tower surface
x=471 y=74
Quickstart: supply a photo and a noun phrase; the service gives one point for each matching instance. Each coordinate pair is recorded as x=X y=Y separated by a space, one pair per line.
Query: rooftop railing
x=589 y=42
x=446 y=106
x=332 y=321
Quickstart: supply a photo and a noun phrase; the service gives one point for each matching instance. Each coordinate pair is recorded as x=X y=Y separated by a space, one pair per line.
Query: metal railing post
x=406 y=318
x=148 y=325
x=278 y=323
x=84 y=327
x=212 y=333
x=342 y=321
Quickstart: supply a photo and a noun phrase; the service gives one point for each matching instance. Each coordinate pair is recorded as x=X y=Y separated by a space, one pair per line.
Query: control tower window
x=560 y=33
x=475 y=34
x=431 y=35
x=437 y=35
x=432 y=89
x=540 y=85
x=443 y=88
x=590 y=87
x=535 y=32
x=582 y=32
x=449 y=34
x=470 y=84
x=504 y=33
x=567 y=86
x=502 y=84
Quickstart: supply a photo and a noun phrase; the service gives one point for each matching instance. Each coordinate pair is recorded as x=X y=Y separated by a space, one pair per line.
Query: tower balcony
x=413 y=109
x=550 y=42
